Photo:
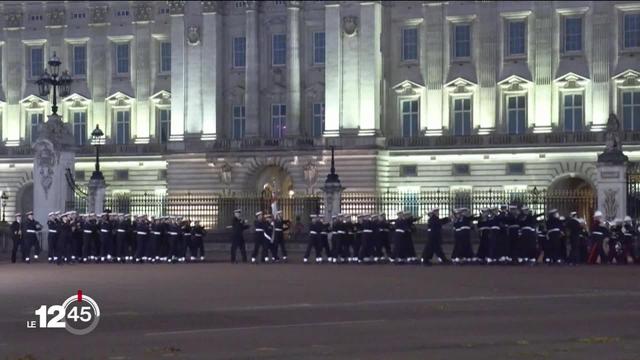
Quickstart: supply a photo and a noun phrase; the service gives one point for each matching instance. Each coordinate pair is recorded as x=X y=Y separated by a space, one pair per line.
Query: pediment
x=408 y=87
x=33 y=102
x=571 y=80
x=76 y=100
x=628 y=78
x=460 y=85
x=514 y=83
x=162 y=97
x=119 y=99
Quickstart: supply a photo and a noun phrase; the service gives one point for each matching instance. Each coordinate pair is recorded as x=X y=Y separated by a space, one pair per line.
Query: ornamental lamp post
x=96 y=134
x=53 y=79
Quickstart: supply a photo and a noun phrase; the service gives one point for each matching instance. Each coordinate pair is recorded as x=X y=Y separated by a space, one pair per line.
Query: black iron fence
x=215 y=210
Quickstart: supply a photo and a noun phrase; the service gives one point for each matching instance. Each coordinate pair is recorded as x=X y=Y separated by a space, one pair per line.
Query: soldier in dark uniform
x=336 y=238
x=462 y=250
x=187 y=240
x=238 y=227
x=434 y=244
x=484 y=230
x=16 y=238
x=555 y=231
x=30 y=229
x=527 y=245
x=599 y=233
x=122 y=237
x=382 y=233
x=353 y=242
x=314 y=239
x=502 y=237
x=153 y=245
x=65 y=234
x=88 y=230
x=77 y=233
x=410 y=231
x=368 y=249
x=616 y=243
x=574 y=229
x=197 y=235
x=513 y=233
x=399 y=247
x=142 y=237
x=106 y=238
x=630 y=233
x=52 y=237
x=324 y=239
x=261 y=240
x=279 y=227
x=173 y=232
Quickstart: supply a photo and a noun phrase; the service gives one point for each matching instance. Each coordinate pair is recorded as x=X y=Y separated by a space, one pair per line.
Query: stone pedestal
x=53 y=155
x=332 y=192
x=612 y=189
x=95 y=196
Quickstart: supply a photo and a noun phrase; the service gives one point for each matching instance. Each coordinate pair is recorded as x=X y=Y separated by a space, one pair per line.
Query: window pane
x=573 y=34
x=79 y=60
x=37 y=61
x=279 y=46
x=631 y=30
x=165 y=57
x=516 y=37
x=626 y=118
x=410 y=44
x=457 y=104
x=626 y=98
x=636 y=97
x=462 y=41
x=467 y=104
x=318 y=48
x=512 y=102
x=239 y=47
x=122 y=58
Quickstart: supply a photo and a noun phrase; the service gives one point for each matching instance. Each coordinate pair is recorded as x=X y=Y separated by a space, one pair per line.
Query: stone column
x=600 y=64
x=332 y=192
x=211 y=55
x=293 y=68
x=333 y=68
x=252 y=71
x=53 y=156
x=612 y=174
x=539 y=112
x=15 y=69
x=97 y=189
x=485 y=116
x=142 y=19
x=193 y=68
x=370 y=67
x=176 y=9
x=433 y=45
x=99 y=51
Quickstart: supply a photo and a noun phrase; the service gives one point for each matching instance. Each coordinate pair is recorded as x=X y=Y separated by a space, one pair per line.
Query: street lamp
x=4 y=197
x=53 y=79
x=96 y=134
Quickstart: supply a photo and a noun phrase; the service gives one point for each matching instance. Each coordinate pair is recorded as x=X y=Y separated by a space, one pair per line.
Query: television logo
x=79 y=314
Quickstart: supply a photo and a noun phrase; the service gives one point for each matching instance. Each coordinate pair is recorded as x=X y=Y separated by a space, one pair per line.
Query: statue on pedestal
x=613 y=147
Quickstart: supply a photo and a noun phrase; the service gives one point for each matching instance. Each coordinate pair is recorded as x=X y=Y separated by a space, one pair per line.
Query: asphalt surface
x=294 y=311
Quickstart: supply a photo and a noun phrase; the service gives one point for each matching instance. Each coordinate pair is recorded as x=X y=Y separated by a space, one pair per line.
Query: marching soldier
x=187 y=241
x=527 y=245
x=434 y=244
x=410 y=230
x=314 y=238
x=30 y=231
x=513 y=233
x=279 y=227
x=173 y=231
x=122 y=239
x=368 y=241
x=260 y=242
x=629 y=232
x=399 y=246
x=462 y=251
x=353 y=242
x=574 y=228
x=197 y=235
x=324 y=239
x=382 y=233
x=88 y=229
x=484 y=231
x=155 y=241
x=238 y=226
x=106 y=240
x=555 y=230
x=65 y=233
x=52 y=237
x=336 y=238
x=16 y=237
x=142 y=236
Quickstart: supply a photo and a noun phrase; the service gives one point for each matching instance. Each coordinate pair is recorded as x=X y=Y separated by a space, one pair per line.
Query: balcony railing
x=369 y=142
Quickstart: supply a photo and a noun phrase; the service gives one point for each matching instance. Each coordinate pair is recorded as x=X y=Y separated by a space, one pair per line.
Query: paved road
x=295 y=311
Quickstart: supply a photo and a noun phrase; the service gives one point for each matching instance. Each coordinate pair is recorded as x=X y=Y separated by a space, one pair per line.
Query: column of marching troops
x=507 y=235
x=108 y=237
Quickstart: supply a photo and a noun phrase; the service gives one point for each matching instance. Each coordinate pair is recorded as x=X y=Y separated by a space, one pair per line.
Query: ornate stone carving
x=610 y=204
x=54 y=135
x=99 y=14
x=310 y=175
x=350 y=25
x=193 y=35
x=225 y=175
x=13 y=20
x=142 y=12
x=56 y=17
x=294 y=4
x=57 y=132
x=252 y=5
x=210 y=6
x=613 y=148
x=176 y=7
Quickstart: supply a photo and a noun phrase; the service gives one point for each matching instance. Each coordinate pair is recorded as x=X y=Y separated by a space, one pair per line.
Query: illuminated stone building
x=208 y=96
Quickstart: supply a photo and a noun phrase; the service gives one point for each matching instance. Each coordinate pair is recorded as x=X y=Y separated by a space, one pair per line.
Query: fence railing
x=215 y=210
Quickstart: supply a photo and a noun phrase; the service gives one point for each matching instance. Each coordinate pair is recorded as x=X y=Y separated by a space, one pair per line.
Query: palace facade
x=213 y=96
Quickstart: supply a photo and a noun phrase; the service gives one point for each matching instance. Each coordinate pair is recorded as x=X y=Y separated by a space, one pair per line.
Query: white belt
x=495 y=228
x=259 y=230
x=553 y=230
x=323 y=233
x=514 y=226
x=596 y=233
x=121 y=230
x=142 y=233
x=484 y=228
x=399 y=230
x=104 y=231
x=187 y=234
x=53 y=231
x=527 y=228
x=198 y=235
x=278 y=229
x=312 y=232
x=367 y=231
x=31 y=231
x=341 y=232
x=463 y=228
x=156 y=233
x=88 y=231
x=172 y=233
